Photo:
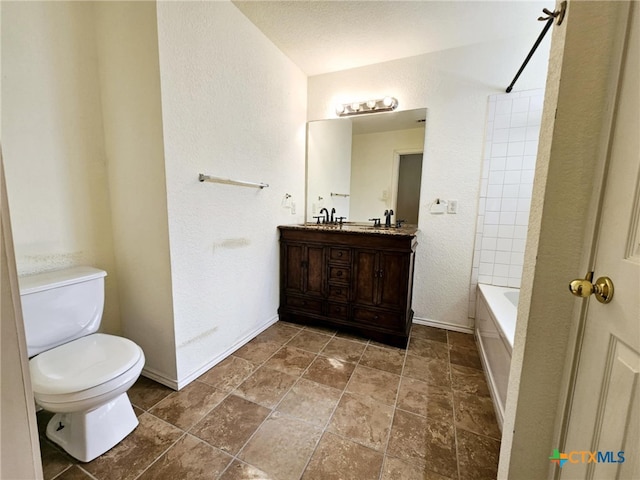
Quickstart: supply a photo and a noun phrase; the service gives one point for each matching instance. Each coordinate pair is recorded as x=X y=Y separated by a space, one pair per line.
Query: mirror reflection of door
x=409 y=179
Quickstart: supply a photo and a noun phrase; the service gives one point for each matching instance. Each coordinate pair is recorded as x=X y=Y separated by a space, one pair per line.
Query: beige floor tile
x=279 y=332
x=388 y=359
x=396 y=469
x=476 y=414
x=363 y=420
x=54 y=460
x=242 y=471
x=430 y=370
x=429 y=333
x=376 y=384
x=145 y=393
x=427 y=400
x=330 y=371
x=465 y=356
x=469 y=380
x=258 y=350
x=337 y=458
x=231 y=423
x=74 y=473
x=419 y=439
x=478 y=456
x=190 y=458
x=187 y=407
x=228 y=374
x=282 y=446
x=342 y=349
x=310 y=401
x=290 y=360
x=136 y=452
x=310 y=341
x=422 y=347
x=265 y=386
x=461 y=339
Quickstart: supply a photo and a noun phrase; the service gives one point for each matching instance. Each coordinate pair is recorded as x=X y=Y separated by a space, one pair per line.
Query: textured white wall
x=127 y=45
x=53 y=142
x=372 y=167
x=453 y=85
x=233 y=106
x=328 y=166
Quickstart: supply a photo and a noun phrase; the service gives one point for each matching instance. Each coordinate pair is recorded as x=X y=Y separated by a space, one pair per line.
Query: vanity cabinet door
x=381 y=278
x=365 y=286
x=303 y=268
x=392 y=274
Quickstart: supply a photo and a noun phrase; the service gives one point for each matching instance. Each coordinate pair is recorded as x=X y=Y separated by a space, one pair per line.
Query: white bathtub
x=496 y=312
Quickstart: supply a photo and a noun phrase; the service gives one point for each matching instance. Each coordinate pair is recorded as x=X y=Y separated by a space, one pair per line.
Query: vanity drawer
x=339 y=274
x=302 y=303
x=378 y=318
x=339 y=292
x=338 y=310
x=340 y=255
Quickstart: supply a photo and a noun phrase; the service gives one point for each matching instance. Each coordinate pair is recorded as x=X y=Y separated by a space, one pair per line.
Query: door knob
x=603 y=288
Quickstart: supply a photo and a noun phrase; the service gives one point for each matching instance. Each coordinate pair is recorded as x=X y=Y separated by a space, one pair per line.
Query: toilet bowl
x=79 y=375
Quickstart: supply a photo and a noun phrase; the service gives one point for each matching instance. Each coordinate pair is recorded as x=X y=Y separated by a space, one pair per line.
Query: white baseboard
x=160 y=378
x=183 y=382
x=444 y=325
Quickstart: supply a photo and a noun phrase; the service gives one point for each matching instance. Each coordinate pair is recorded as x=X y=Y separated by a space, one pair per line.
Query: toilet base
x=87 y=435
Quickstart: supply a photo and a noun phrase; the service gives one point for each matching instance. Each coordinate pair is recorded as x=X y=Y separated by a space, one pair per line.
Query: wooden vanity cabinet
x=356 y=281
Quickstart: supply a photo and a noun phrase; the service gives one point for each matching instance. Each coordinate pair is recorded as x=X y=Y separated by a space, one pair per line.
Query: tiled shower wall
x=511 y=145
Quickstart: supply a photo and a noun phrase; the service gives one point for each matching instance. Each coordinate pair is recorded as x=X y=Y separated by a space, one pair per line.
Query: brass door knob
x=602 y=288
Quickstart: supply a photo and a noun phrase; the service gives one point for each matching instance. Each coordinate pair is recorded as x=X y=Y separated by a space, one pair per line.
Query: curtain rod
x=551 y=16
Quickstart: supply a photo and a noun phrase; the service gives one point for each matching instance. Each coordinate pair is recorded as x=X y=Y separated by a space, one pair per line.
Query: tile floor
x=306 y=403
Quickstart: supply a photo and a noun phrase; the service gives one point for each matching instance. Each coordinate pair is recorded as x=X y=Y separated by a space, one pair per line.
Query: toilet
x=78 y=374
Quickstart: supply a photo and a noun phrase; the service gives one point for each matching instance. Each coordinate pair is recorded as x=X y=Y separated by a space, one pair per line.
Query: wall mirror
x=364 y=165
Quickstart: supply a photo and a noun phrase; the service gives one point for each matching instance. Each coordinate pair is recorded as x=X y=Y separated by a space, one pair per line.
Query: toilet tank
x=60 y=306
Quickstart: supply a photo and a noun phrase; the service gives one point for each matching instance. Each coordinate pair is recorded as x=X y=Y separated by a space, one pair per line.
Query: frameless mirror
x=364 y=165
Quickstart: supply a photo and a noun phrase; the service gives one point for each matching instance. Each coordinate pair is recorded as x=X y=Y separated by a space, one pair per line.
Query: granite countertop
x=360 y=228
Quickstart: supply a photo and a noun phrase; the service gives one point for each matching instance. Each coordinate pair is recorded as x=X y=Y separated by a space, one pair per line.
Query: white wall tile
x=514 y=163
x=520 y=105
x=512 y=177
x=505 y=231
x=509 y=205
x=515 y=148
x=493 y=204
x=510 y=150
x=511 y=191
x=503 y=257
x=485 y=269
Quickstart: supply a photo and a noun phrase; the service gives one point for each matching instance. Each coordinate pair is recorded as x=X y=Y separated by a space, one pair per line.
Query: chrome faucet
x=387 y=214
x=326 y=215
x=333 y=212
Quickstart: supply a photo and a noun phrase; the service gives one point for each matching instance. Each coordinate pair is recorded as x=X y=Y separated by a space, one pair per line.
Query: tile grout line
x=395 y=408
x=330 y=417
x=453 y=404
x=273 y=409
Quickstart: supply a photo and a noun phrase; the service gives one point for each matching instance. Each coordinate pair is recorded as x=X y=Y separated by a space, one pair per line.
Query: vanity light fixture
x=385 y=104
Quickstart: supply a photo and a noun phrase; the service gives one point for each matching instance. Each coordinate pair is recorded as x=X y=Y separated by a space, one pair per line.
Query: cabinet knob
x=339 y=273
x=339 y=254
x=375 y=317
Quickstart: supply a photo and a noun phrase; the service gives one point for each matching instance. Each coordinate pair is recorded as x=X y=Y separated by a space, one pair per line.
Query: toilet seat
x=85 y=368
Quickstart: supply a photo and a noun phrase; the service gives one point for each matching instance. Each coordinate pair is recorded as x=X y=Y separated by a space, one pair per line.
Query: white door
x=604 y=416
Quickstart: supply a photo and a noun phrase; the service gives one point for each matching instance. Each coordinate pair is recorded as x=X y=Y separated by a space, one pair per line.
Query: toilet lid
x=82 y=363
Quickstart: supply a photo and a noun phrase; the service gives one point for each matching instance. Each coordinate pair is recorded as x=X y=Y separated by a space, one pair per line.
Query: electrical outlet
x=452 y=206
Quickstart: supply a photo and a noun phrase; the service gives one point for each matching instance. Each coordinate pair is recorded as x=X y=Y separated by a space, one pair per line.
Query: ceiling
x=327 y=36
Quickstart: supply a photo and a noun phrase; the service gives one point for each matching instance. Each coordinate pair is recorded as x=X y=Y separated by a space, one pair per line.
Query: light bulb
x=387 y=101
x=355 y=106
x=371 y=104
x=339 y=109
